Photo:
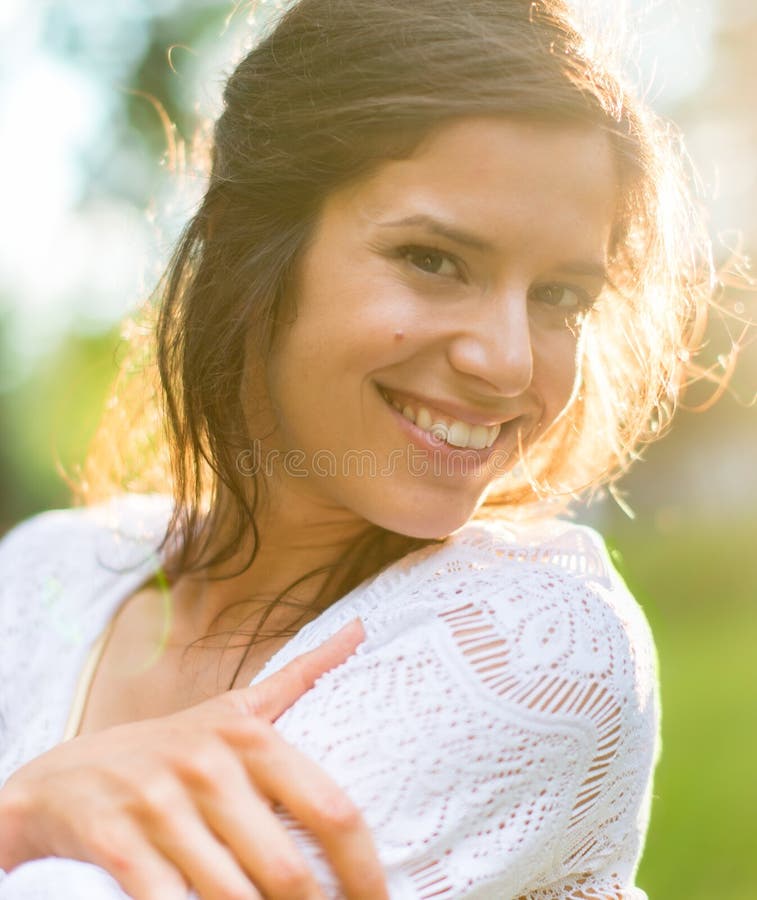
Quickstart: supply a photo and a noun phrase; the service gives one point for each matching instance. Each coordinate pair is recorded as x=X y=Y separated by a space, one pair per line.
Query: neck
x=294 y=539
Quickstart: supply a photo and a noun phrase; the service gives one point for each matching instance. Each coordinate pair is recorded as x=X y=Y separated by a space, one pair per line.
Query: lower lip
x=423 y=440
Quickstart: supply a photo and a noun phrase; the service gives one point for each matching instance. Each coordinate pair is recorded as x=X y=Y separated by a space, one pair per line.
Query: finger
x=277 y=693
x=142 y=872
x=317 y=802
x=240 y=817
x=209 y=866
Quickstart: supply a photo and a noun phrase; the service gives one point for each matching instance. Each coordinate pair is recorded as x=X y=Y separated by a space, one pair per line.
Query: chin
x=430 y=521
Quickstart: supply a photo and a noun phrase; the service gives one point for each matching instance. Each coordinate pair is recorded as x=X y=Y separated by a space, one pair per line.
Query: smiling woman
x=441 y=282
x=486 y=342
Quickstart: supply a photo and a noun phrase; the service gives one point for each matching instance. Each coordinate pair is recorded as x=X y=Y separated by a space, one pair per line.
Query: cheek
x=555 y=369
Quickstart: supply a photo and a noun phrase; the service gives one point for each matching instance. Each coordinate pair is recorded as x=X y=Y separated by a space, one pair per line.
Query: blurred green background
x=90 y=212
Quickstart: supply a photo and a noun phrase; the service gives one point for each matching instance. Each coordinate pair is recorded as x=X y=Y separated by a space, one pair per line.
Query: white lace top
x=498 y=727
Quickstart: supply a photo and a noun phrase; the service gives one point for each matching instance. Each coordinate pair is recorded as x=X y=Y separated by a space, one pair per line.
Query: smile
x=454 y=432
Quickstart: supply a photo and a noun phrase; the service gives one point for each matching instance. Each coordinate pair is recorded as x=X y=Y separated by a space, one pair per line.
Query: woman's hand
x=186 y=800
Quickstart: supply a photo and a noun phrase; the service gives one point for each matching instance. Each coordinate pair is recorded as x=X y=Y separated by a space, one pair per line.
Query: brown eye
x=562 y=296
x=431 y=261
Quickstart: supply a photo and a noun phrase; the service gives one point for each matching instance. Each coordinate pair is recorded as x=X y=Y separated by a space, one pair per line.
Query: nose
x=494 y=345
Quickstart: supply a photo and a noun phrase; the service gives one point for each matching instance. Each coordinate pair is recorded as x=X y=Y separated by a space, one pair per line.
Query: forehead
x=517 y=184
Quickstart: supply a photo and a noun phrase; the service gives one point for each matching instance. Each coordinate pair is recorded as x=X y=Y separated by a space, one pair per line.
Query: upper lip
x=449 y=408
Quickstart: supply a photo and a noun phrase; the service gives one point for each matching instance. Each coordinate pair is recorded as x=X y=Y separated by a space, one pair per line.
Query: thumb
x=279 y=691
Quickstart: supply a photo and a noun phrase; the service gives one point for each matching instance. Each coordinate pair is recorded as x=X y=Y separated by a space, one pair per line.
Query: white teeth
x=423 y=419
x=480 y=437
x=457 y=433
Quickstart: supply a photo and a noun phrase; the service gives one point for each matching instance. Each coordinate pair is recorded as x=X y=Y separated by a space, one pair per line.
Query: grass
x=699 y=589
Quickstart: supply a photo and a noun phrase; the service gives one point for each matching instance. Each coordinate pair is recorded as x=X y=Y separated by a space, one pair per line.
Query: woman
x=442 y=280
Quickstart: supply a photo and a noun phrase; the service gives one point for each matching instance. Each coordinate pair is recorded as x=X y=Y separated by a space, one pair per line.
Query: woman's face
x=436 y=307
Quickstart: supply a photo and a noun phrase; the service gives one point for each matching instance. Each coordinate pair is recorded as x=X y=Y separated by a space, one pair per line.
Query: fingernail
x=352 y=624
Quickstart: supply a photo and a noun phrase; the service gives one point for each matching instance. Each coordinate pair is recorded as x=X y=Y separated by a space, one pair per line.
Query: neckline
x=116 y=519
x=143 y=574
x=88 y=669
x=134 y=581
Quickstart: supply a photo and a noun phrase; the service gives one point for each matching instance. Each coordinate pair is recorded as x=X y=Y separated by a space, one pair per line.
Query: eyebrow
x=578 y=267
x=437 y=226
x=589 y=268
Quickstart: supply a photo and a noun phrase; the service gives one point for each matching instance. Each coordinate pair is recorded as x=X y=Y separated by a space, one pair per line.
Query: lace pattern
x=498 y=727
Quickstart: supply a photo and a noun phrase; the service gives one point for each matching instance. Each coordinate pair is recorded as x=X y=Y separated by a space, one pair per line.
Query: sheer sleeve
x=499 y=727
x=58 y=589
x=59 y=879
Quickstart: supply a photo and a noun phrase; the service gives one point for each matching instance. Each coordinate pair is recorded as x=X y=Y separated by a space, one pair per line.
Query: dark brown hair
x=335 y=88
